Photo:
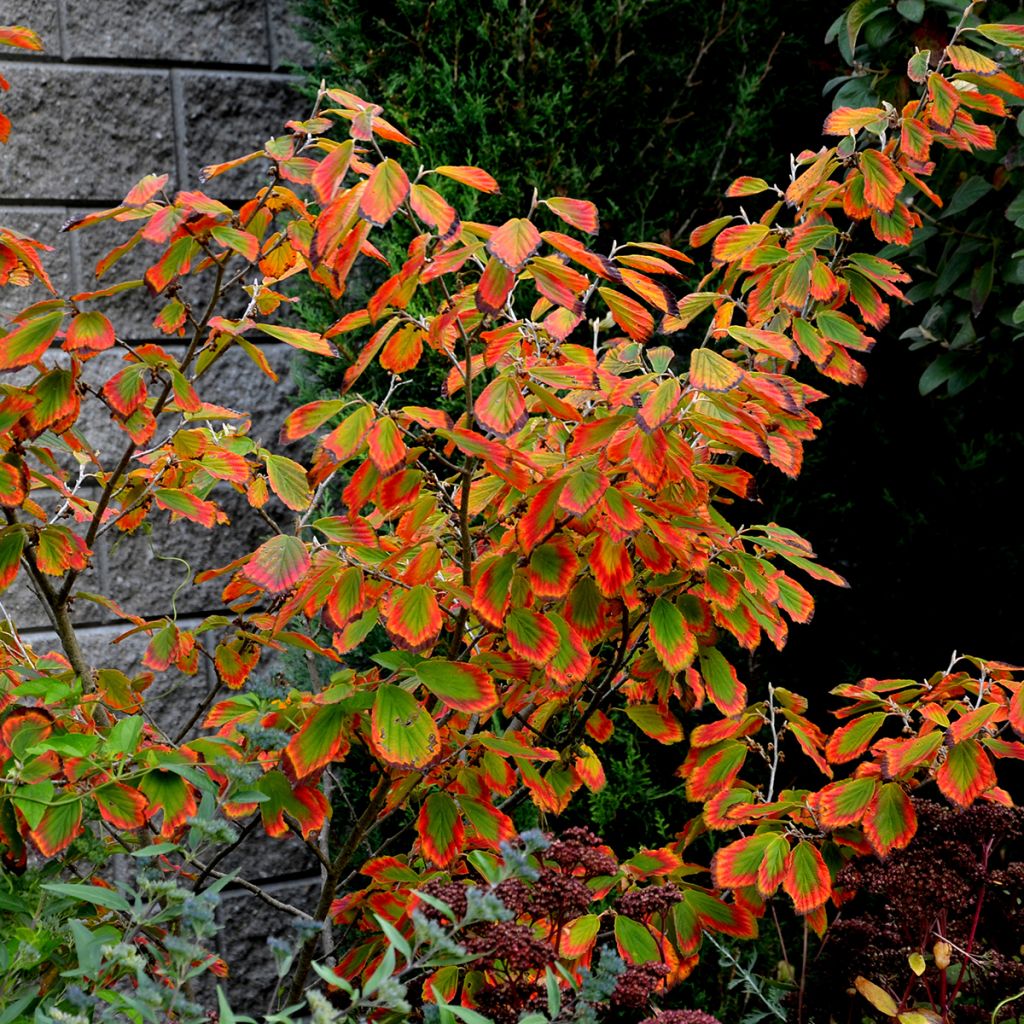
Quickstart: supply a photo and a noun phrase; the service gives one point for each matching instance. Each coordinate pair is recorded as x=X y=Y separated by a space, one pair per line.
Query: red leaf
x=321 y=740
x=735 y=242
x=844 y=803
x=882 y=181
x=657 y=722
x=712 y=372
x=169 y=793
x=25 y=344
x=660 y=406
x=671 y=637
x=851 y=740
x=572 y=661
x=727 y=693
x=558 y=283
x=330 y=172
x=491 y=827
x=304 y=420
x=126 y=390
x=89 y=330
x=434 y=210
x=736 y=865
x=611 y=565
x=386 y=447
x=746 y=186
x=583 y=489
x=843 y=120
x=307 y=341
x=492 y=589
x=60 y=824
x=944 y=100
x=122 y=806
x=20 y=36
x=188 y=505
x=460 y=686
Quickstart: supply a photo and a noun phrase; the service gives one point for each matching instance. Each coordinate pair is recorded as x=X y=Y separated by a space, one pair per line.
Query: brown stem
x=348 y=850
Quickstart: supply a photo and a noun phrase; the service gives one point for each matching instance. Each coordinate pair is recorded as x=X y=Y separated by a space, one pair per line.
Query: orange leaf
x=278 y=564
x=385 y=192
x=474 y=177
x=577 y=212
x=514 y=243
x=633 y=318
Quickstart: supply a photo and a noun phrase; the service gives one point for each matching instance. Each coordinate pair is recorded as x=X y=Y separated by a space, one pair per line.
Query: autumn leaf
x=514 y=243
x=278 y=564
x=474 y=177
x=577 y=212
x=386 y=190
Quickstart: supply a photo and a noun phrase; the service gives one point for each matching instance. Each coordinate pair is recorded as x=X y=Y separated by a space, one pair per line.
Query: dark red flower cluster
x=512 y=945
x=578 y=850
x=645 y=903
x=961 y=863
x=637 y=984
x=451 y=893
x=682 y=1017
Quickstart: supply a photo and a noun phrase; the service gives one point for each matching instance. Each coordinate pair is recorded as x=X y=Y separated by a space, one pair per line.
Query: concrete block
x=192 y=32
x=229 y=115
x=173 y=697
x=247 y=925
x=63 y=151
x=40 y=15
x=133 y=311
x=289 y=43
x=28 y=612
x=261 y=858
x=43 y=224
x=146 y=572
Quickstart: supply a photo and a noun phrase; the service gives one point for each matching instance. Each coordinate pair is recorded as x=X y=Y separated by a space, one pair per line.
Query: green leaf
x=395 y=937
x=636 y=944
x=33 y=800
x=554 y=994
x=912 y=10
x=858 y=15
x=403 y=732
x=967 y=195
x=937 y=372
x=25 y=344
x=97 y=895
x=460 y=686
x=288 y=481
x=123 y=737
x=672 y=639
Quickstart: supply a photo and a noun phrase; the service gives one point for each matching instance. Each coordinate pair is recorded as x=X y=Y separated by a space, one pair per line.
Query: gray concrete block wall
x=127 y=88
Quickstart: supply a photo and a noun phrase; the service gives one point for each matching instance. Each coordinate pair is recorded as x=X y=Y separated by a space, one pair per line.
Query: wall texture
x=126 y=88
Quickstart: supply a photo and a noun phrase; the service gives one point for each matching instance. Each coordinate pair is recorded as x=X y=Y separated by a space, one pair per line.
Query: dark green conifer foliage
x=605 y=100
